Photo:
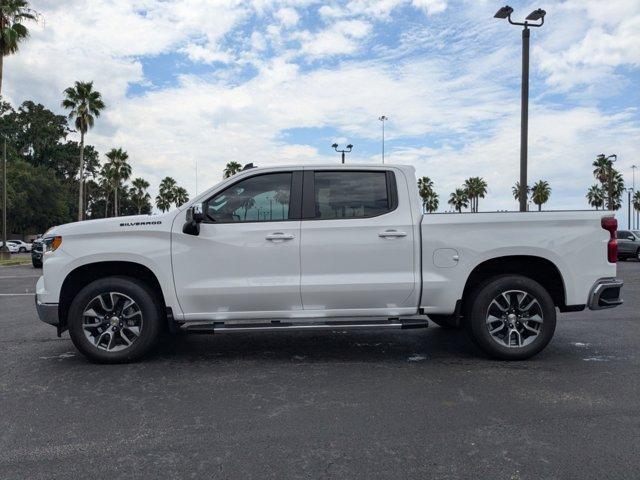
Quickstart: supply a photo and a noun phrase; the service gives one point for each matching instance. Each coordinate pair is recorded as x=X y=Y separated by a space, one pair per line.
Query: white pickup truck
x=323 y=247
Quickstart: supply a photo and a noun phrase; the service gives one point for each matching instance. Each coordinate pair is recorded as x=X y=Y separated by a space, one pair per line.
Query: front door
x=357 y=247
x=245 y=263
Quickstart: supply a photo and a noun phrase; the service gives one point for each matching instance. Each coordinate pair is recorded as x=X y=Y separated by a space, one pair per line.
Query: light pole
x=633 y=169
x=4 y=249
x=629 y=191
x=383 y=119
x=348 y=149
x=536 y=15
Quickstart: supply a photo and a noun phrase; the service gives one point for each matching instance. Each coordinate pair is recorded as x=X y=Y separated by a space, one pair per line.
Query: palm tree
x=231 y=169
x=84 y=104
x=180 y=196
x=427 y=193
x=636 y=201
x=540 y=193
x=515 y=190
x=476 y=188
x=163 y=202
x=459 y=199
x=106 y=185
x=602 y=169
x=166 y=193
x=120 y=171
x=595 y=196
x=12 y=31
x=139 y=193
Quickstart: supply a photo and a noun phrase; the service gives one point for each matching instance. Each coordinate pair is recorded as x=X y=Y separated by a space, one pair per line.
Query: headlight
x=51 y=244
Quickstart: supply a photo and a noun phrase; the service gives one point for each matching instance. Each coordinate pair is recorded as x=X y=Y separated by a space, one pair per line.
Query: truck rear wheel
x=511 y=317
x=114 y=320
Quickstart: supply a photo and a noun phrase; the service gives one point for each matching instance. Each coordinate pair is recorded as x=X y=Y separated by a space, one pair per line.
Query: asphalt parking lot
x=407 y=404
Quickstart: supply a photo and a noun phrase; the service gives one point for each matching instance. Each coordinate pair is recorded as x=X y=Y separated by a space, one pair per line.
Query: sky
x=270 y=82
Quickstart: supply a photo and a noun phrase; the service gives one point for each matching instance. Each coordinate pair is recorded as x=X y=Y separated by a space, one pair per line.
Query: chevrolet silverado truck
x=323 y=248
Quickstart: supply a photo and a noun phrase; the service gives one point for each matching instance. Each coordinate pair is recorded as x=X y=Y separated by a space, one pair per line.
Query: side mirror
x=194 y=219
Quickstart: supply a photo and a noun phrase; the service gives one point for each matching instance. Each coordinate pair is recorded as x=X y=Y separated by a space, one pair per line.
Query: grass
x=16 y=260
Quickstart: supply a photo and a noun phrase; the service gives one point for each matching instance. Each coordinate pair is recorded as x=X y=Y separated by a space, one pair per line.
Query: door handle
x=280 y=236
x=392 y=234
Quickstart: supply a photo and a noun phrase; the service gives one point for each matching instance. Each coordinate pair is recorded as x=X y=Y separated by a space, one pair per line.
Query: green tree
x=540 y=193
x=164 y=199
x=84 y=105
x=636 y=200
x=231 y=169
x=120 y=171
x=140 y=195
x=476 y=188
x=13 y=15
x=611 y=181
x=180 y=196
x=515 y=191
x=428 y=195
x=595 y=196
x=37 y=199
x=459 y=199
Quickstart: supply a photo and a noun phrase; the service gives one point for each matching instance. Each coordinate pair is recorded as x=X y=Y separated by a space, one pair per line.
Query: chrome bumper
x=606 y=293
x=48 y=312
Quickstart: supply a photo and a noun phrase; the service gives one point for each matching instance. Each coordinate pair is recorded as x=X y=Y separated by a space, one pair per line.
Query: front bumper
x=48 y=312
x=606 y=293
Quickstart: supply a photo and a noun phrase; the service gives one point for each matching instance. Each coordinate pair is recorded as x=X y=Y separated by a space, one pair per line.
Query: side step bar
x=221 y=327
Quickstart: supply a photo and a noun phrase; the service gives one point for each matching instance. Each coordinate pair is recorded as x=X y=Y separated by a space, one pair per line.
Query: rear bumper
x=606 y=293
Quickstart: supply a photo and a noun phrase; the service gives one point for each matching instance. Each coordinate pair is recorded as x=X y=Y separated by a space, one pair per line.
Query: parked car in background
x=628 y=244
x=13 y=248
x=23 y=247
x=36 y=253
x=314 y=248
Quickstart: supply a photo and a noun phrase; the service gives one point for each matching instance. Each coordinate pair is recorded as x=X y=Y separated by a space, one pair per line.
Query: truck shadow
x=307 y=347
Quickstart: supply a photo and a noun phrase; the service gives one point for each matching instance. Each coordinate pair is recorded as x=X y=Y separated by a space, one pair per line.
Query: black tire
x=448 y=322
x=478 y=310
x=36 y=264
x=638 y=254
x=622 y=259
x=22 y=250
x=138 y=292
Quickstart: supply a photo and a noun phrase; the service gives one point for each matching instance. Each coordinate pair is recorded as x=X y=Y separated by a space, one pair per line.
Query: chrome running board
x=274 y=326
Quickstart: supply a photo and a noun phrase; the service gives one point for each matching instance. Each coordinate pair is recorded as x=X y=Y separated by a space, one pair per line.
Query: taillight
x=610 y=224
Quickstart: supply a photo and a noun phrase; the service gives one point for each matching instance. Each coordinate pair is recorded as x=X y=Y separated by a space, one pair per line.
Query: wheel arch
x=539 y=269
x=87 y=273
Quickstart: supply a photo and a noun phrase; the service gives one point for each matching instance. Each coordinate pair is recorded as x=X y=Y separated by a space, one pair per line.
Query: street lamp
x=629 y=194
x=613 y=158
x=4 y=249
x=383 y=119
x=348 y=149
x=535 y=16
x=633 y=169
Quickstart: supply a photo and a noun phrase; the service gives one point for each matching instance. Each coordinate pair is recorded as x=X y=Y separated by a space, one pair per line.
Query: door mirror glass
x=194 y=217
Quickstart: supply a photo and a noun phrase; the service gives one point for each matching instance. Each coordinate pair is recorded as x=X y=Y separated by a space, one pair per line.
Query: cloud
x=431 y=7
x=236 y=75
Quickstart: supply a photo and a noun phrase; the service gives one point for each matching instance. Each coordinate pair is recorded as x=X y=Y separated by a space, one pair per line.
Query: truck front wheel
x=511 y=317
x=114 y=320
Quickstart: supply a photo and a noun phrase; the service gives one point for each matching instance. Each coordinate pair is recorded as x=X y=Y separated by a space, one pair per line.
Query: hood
x=115 y=224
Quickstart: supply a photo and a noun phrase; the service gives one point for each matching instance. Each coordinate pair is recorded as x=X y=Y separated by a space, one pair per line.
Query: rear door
x=357 y=243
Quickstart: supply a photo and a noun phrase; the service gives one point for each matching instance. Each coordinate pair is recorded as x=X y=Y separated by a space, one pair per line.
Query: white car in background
x=13 y=248
x=23 y=247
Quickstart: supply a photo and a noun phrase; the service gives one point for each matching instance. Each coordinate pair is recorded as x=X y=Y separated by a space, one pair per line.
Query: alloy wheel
x=514 y=318
x=112 y=321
